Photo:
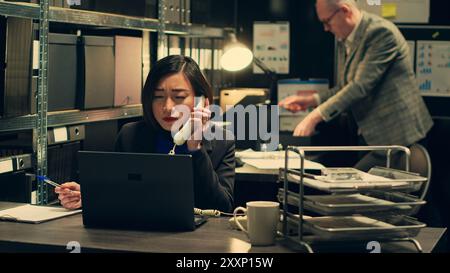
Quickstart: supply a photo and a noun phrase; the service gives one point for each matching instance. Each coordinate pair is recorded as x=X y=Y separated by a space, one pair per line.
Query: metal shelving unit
x=64 y=15
x=76 y=116
x=18 y=123
x=43 y=120
x=42 y=102
x=91 y=18
x=61 y=118
x=22 y=10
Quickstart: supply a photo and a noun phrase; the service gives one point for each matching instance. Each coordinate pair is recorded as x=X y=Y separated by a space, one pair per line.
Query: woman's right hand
x=69 y=195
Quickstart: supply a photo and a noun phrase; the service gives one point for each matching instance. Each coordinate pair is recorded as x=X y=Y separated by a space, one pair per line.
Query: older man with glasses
x=375 y=82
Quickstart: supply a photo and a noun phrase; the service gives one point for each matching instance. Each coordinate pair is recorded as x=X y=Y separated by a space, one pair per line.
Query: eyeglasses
x=327 y=21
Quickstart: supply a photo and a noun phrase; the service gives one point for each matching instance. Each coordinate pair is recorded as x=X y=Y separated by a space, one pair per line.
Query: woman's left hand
x=199 y=121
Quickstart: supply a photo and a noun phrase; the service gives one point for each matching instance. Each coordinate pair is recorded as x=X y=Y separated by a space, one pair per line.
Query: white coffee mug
x=262 y=221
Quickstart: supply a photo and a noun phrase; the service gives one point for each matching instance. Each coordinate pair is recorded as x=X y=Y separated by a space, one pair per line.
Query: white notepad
x=34 y=214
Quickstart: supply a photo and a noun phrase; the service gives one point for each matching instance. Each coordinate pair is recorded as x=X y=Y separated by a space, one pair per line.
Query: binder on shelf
x=16 y=66
x=16 y=187
x=26 y=1
x=62 y=164
x=16 y=144
x=15 y=163
x=140 y=8
x=84 y=5
x=65 y=134
x=96 y=72
x=128 y=70
x=62 y=73
x=22 y=143
x=3 y=36
x=54 y=168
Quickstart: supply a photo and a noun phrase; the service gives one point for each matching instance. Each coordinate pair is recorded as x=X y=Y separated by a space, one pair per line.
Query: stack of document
x=275 y=160
x=359 y=176
x=369 y=182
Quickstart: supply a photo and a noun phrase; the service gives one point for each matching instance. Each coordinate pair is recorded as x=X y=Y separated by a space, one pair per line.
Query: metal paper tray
x=415 y=180
x=409 y=184
x=357 y=228
x=347 y=204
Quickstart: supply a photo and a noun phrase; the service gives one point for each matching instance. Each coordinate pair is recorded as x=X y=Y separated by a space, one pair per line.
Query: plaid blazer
x=376 y=83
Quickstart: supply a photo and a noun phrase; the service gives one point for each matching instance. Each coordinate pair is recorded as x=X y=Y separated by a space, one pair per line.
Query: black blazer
x=214 y=164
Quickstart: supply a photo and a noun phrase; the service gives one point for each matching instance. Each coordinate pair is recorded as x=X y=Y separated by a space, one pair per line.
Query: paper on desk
x=321 y=185
x=35 y=214
x=275 y=164
x=365 y=177
x=274 y=160
x=249 y=153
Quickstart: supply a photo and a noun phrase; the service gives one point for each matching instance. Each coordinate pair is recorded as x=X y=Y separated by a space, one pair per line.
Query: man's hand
x=308 y=125
x=298 y=103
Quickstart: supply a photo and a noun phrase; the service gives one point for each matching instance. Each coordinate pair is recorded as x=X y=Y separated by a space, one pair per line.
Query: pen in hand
x=52 y=183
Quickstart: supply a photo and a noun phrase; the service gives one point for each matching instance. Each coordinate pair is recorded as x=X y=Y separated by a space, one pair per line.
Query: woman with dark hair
x=176 y=80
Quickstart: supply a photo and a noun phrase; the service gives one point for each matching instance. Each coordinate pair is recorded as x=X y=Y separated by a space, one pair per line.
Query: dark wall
x=214 y=13
x=439 y=12
x=437 y=212
x=311 y=49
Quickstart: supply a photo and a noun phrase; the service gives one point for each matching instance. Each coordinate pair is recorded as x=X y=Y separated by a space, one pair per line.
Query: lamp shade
x=236 y=56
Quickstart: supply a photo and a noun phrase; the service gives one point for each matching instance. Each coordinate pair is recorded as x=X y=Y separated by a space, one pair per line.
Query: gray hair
x=336 y=3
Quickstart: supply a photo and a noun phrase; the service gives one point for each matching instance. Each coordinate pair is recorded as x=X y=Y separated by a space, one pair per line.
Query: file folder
x=62 y=73
x=96 y=72
x=15 y=163
x=128 y=70
x=16 y=187
x=16 y=66
x=65 y=134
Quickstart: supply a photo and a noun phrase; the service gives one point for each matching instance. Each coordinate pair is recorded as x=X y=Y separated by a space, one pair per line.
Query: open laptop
x=137 y=191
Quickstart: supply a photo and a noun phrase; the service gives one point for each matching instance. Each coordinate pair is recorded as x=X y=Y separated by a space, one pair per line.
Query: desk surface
x=250 y=173
x=215 y=236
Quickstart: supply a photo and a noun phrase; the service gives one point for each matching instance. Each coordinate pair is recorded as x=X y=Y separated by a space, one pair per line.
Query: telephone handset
x=183 y=135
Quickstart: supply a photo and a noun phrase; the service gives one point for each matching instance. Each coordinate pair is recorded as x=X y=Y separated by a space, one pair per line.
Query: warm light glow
x=236 y=57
